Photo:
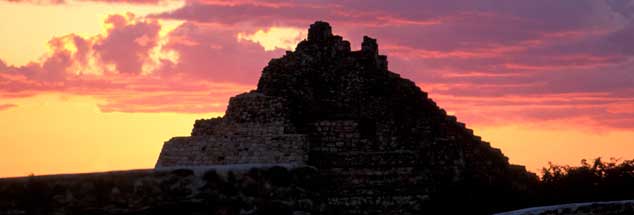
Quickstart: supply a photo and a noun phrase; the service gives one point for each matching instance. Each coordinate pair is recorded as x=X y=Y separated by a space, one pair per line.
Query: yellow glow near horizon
x=26 y=28
x=534 y=147
x=55 y=133
x=274 y=38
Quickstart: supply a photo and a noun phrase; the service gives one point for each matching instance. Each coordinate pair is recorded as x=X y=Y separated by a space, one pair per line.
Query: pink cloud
x=6 y=106
x=215 y=54
x=109 y=67
x=489 y=62
x=128 y=44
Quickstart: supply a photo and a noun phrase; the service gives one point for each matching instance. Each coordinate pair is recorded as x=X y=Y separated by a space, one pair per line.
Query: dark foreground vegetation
x=269 y=191
x=596 y=180
x=275 y=190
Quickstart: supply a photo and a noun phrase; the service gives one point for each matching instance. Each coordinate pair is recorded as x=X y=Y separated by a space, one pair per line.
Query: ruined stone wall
x=364 y=178
x=254 y=130
x=254 y=107
x=368 y=174
x=248 y=114
x=220 y=150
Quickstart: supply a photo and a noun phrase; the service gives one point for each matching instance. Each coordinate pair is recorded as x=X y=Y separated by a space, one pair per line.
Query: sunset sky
x=98 y=85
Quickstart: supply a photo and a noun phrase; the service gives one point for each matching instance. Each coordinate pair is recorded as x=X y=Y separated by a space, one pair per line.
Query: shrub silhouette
x=592 y=181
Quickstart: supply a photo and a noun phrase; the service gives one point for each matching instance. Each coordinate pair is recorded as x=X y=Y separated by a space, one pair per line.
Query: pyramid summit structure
x=382 y=144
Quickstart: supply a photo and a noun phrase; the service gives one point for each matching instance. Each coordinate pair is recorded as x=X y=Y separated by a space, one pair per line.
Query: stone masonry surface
x=381 y=144
x=254 y=131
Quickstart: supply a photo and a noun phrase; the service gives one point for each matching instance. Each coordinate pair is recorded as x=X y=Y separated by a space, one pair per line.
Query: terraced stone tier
x=380 y=143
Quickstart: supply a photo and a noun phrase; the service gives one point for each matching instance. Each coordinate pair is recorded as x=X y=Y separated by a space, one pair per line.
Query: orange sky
x=90 y=86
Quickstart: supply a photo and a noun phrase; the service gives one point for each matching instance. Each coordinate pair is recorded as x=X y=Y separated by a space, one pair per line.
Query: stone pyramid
x=382 y=144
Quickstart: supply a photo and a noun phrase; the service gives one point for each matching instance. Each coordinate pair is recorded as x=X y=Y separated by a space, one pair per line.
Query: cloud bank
x=488 y=62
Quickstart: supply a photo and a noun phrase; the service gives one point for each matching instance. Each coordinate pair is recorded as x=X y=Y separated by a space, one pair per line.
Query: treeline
x=595 y=180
